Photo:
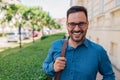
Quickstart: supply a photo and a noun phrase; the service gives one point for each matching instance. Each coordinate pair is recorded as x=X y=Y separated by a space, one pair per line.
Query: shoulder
x=95 y=46
x=57 y=43
x=56 y=48
x=98 y=49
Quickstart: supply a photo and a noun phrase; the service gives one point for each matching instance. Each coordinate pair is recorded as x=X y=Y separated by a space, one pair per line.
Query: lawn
x=26 y=63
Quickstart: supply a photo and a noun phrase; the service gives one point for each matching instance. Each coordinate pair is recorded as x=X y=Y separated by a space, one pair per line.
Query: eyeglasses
x=80 y=24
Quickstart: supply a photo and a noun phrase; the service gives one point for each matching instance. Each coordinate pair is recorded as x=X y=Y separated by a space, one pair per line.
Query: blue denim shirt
x=83 y=62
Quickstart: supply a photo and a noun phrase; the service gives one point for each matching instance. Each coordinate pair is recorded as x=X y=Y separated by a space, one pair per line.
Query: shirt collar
x=85 y=42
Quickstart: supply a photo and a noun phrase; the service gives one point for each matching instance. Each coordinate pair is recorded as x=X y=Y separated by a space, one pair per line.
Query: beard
x=77 y=36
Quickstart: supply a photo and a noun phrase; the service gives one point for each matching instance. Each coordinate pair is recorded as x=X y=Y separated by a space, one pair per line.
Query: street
x=4 y=43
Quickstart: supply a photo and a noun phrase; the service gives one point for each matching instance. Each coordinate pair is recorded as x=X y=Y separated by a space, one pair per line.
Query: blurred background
x=35 y=18
x=22 y=20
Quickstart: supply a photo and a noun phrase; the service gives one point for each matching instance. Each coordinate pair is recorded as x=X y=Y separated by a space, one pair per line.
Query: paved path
x=117 y=73
x=4 y=44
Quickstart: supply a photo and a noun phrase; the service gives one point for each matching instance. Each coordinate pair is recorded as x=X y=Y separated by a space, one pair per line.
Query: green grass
x=26 y=63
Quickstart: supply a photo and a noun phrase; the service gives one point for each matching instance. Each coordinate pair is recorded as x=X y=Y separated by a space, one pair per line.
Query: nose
x=77 y=28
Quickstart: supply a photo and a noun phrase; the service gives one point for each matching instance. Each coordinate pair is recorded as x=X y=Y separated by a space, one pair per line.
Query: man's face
x=77 y=26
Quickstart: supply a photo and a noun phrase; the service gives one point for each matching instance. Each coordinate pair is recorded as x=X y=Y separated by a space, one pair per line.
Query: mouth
x=77 y=32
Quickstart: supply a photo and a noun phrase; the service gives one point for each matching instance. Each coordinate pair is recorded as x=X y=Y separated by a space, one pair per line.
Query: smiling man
x=83 y=58
x=77 y=25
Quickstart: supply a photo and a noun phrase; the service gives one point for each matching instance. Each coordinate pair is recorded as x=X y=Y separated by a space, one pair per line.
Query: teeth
x=77 y=33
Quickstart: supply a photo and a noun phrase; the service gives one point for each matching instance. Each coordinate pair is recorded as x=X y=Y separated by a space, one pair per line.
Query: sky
x=56 y=8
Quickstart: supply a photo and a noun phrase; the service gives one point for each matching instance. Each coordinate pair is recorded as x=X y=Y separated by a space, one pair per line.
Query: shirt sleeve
x=48 y=63
x=105 y=66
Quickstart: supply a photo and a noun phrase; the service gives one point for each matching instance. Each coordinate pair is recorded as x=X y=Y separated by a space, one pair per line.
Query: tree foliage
x=34 y=15
x=11 y=11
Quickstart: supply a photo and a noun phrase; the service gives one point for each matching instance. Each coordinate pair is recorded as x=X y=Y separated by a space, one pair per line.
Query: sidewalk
x=117 y=74
x=12 y=45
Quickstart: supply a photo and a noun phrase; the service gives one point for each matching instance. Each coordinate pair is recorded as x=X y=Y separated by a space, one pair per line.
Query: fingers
x=59 y=64
x=61 y=60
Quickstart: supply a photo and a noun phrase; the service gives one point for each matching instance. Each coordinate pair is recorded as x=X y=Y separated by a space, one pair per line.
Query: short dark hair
x=74 y=9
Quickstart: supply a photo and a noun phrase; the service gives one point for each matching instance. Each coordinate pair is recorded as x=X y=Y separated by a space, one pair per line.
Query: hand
x=59 y=64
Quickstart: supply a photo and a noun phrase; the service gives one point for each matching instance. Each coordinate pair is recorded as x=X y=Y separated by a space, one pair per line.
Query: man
x=83 y=58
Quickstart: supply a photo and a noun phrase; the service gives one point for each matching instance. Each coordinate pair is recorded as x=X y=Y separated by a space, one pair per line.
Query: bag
x=62 y=55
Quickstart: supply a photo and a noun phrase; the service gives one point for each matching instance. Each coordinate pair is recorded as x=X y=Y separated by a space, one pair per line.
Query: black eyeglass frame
x=73 y=24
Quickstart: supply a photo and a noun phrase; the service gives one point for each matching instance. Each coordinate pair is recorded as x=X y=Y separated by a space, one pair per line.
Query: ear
x=88 y=23
x=66 y=24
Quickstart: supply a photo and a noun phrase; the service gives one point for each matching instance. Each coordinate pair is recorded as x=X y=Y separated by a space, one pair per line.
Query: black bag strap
x=62 y=55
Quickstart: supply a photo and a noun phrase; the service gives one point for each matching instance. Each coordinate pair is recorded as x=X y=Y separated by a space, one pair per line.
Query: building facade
x=104 y=25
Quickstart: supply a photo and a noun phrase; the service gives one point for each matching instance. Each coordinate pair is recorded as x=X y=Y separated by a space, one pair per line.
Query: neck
x=73 y=43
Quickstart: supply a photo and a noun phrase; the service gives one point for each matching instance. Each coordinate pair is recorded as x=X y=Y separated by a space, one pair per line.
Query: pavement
x=5 y=44
x=117 y=73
